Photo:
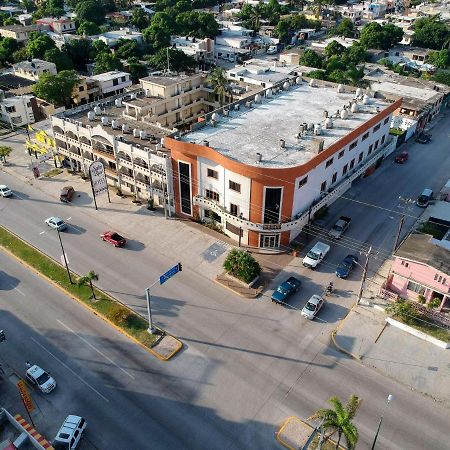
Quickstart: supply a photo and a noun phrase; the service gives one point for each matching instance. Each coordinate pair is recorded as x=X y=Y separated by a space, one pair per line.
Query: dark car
x=424 y=139
x=286 y=289
x=66 y=194
x=401 y=158
x=113 y=238
x=345 y=267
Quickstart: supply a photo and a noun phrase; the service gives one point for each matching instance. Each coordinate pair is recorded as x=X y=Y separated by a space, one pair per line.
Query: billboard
x=98 y=178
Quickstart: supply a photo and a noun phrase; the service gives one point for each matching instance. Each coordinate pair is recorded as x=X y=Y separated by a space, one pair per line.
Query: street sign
x=26 y=397
x=170 y=273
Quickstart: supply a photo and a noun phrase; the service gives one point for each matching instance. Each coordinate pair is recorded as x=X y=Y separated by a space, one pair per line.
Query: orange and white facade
x=263 y=167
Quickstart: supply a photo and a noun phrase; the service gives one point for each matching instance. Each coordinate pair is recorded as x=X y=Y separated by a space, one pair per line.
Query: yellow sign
x=26 y=397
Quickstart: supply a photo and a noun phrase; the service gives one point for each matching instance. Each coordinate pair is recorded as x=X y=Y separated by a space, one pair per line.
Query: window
x=353 y=145
x=415 y=287
x=115 y=81
x=352 y=164
x=124 y=79
x=234 y=209
x=234 y=186
x=365 y=136
x=404 y=263
x=344 y=169
x=436 y=277
x=376 y=144
x=212 y=195
x=334 y=178
x=376 y=127
x=360 y=157
x=329 y=162
x=211 y=173
x=302 y=182
x=382 y=140
x=341 y=154
x=10 y=109
x=323 y=186
x=444 y=280
x=81 y=88
x=370 y=149
x=386 y=121
x=440 y=278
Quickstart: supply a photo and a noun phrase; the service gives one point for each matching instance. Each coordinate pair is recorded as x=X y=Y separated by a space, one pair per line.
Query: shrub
x=403 y=310
x=421 y=299
x=435 y=303
x=242 y=265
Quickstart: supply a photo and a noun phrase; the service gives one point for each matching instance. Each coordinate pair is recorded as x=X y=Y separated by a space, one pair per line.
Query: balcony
x=125 y=163
x=104 y=152
x=141 y=168
x=127 y=178
x=111 y=172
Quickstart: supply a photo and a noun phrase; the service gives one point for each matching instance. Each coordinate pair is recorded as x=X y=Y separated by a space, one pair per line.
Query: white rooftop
x=106 y=76
x=424 y=93
x=259 y=129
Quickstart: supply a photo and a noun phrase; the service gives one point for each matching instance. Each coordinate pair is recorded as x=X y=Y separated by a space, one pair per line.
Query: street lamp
x=151 y=328
x=64 y=257
x=388 y=400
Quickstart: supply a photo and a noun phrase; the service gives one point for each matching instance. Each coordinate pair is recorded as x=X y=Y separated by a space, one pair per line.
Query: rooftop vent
x=354 y=108
x=118 y=102
x=317 y=145
x=257 y=98
x=226 y=112
x=359 y=92
x=282 y=143
x=340 y=88
x=286 y=85
x=205 y=143
x=344 y=114
x=366 y=100
x=298 y=80
x=142 y=134
x=215 y=117
x=136 y=132
x=269 y=93
x=325 y=114
x=328 y=122
x=115 y=124
x=317 y=129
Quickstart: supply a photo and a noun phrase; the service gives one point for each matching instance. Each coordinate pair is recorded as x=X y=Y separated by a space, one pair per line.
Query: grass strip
x=423 y=324
x=105 y=306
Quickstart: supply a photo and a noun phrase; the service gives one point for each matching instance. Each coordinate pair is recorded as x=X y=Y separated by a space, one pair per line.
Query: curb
x=252 y=297
x=282 y=427
x=56 y=285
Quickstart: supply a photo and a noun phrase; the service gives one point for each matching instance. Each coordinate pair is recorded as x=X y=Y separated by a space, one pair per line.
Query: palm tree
x=339 y=419
x=219 y=82
x=255 y=17
x=4 y=152
x=87 y=279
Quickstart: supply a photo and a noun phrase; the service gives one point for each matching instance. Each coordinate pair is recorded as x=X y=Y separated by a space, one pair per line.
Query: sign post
x=99 y=184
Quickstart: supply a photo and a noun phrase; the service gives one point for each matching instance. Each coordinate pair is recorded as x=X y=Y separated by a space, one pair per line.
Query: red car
x=401 y=158
x=113 y=238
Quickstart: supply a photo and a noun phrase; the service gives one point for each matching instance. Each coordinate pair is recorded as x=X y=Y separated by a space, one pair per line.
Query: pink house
x=421 y=267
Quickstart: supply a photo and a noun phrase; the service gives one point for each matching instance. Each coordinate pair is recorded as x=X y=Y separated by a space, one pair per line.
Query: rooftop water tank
x=125 y=128
x=91 y=115
x=366 y=100
x=298 y=80
x=354 y=108
x=215 y=117
x=104 y=120
x=286 y=85
x=328 y=122
x=97 y=110
x=118 y=102
x=115 y=124
x=143 y=134
x=257 y=98
x=340 y=88
x=344 y=114
x=136 y=132
x=269 y=93
x=317 y=129
x=359 y=92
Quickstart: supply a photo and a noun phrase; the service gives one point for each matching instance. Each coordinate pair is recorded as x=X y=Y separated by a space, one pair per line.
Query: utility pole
x=363 y=279
x=406 y=202
x=64 y=257
x=388 y=400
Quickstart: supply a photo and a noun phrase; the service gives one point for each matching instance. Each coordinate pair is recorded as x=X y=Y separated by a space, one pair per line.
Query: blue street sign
x=169 y=274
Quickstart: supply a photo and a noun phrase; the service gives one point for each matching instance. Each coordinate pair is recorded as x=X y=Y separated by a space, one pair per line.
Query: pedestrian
x=28 y=364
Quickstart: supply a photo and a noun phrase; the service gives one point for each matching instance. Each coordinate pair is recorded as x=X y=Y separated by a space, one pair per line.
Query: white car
x=312 y=307
x=41 y=379
x=5 y=191
x=70 y=433
x=56 y=223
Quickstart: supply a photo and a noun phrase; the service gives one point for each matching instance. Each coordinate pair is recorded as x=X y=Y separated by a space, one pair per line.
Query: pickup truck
x=339 y=227
x=286 y=289
x=316 y=255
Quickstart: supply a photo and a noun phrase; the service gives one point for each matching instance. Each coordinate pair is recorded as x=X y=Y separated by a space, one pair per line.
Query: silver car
x=56 y=223
x=5 y=191
x=312 y=307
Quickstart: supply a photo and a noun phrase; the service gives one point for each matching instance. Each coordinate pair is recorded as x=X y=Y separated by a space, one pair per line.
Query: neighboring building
x=18 y=32
x=31 y=70
x=87 y=90
x=421 y=267
x=25 y=19
x=374 y=10
x=111 y=38
x=319 y=46
x=354 y=13
x=112 y=83
x=60 y=25
x=411 y=57
x=14 y=84
x=263 y=166
x=202 y=50
x=16 y=111
x=233 y=42
x=119 y=17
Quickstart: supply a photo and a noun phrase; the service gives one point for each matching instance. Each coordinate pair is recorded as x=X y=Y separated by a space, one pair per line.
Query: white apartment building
x=16 y=111
x=32 y=70
x=111 y=38
x=232 y=42
x=199 y=49
x=111 y=83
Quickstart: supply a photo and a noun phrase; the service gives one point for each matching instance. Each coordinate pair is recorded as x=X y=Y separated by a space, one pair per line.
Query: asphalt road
x=247 y=364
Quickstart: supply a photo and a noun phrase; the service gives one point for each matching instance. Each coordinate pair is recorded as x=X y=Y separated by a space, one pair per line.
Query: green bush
x=435 y=303
x=242 y=265
x=421 y=299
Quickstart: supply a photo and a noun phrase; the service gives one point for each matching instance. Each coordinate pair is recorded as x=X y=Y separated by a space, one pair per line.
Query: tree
x=431 y=32
x=88 y=28
x=333 y=48
x=373 y=35
x=78 y=51
x=311 y=59
x=346 y=28
x=139 y=18
x=197 y=24
x=178 y=60
x=59 y=58
x=242 y=265
x=127 y=49
x=4 y=152
x=87 y=279
x=357 y=54
x=339 y=419
x=7 y=48
x=90 y=11
x=56 y=89
x=317 y=74
x=159 y=31
x=220 y=84
x=98 y=47
x=28 y=5
x=106 y=62
x=403 y=310
x=282 y=30
x=440 y=59
x=318 y=6
x=442 y=76
x=38 y=44
x=20 y=55
x=137 y=71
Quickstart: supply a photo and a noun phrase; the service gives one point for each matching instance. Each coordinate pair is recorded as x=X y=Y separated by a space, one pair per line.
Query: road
x=249 y=364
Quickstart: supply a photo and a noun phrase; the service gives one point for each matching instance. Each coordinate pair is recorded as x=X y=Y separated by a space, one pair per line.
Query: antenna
x=168 y=61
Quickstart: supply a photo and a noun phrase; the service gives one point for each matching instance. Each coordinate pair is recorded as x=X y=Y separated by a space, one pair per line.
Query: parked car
x=70 y=433
x=41 y=379
x=340 y=227
x=402 y=157
x=312 y=307
x=272 y=50
x=113 y=238
x=316 y=255
x=56 y=223
x=424 y=198
x=286 y=289
x=424 y=139
x=5 y=191
x=66 y=194
x=345 y=267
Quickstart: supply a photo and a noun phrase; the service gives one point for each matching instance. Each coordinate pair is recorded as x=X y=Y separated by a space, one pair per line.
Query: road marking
x=42 y=232
x=69 y=218
x=20 y=292
x=98 y=351
x=68 y=368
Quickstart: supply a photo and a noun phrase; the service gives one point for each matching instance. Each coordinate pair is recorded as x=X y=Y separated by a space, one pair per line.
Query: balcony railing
x=104 y=152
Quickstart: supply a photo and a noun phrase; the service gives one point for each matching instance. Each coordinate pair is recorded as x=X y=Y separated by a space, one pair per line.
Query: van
x=69 y=435
x=424 y=198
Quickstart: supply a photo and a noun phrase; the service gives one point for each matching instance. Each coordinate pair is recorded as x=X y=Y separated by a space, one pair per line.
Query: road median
x=161 y=344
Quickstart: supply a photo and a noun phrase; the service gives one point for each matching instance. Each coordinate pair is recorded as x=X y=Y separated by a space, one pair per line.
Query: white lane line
x=69 y=218
x=68 y=368
x=96 y=349
x=19 y=291
x=42 y=232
